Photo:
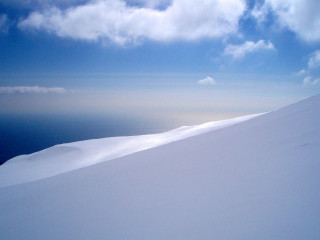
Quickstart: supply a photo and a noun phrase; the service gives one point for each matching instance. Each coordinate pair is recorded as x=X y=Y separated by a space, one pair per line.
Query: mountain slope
x=71 y=156
x=258 y=179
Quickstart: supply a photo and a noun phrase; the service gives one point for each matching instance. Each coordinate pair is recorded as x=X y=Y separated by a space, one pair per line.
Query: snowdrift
x=257 y=179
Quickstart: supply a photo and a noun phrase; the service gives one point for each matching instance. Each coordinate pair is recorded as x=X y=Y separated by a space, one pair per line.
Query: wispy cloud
x=121 y=23
x=308 y=81
x=313 y=63
x=239 y=51
x=4 y=23
x=301 y=72
x=32 y=89
x=314 y=60
x=207 y=81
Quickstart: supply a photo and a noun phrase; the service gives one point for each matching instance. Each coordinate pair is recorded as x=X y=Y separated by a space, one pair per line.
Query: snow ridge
x=71 y=156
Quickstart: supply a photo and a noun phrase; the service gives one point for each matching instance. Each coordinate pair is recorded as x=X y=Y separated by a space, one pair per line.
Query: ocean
x=25 y=134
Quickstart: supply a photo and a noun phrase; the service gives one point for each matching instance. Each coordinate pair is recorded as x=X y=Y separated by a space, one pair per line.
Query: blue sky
x=183 y=59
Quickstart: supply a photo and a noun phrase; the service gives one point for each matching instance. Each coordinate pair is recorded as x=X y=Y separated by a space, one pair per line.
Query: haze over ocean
x=35 y=120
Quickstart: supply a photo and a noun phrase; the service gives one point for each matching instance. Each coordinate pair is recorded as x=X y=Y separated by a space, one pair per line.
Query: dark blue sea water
x=24 y=134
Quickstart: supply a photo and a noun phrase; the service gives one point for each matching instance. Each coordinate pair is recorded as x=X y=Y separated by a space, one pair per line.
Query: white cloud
x=300 y=16
x=207 y=81
x=314 y=60
x=313 y=63
x=308 y=81
x=122 y=24
x=239 y=51
x=33 y=89
x=4 y=23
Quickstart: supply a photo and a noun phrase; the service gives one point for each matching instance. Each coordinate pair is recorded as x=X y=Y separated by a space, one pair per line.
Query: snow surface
x=68 y=157
x=258 y=179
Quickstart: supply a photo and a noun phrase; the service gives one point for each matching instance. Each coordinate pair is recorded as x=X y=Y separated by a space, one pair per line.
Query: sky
x=186 y=60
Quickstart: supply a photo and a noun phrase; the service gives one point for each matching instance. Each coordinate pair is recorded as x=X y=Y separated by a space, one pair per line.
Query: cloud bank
x=121 y=23
x=239 y=51
x=207 y=81
x=33 y=89
x=131 y=21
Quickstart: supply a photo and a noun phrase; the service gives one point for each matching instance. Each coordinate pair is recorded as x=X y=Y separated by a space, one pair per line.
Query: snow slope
x=258 y=179
x=68 y=157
